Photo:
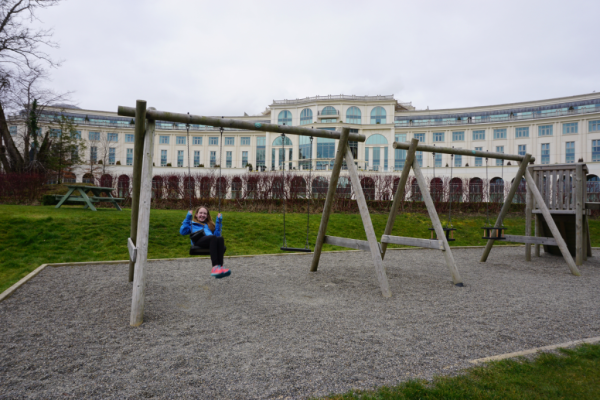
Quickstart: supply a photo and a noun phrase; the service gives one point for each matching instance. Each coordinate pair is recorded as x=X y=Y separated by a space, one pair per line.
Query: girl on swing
x=206 y=234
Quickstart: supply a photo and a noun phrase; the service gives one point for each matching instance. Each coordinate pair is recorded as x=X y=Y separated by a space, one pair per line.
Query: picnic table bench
x=82 y=196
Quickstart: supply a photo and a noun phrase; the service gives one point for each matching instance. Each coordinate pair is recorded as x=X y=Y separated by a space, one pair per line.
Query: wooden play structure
x=145 y=123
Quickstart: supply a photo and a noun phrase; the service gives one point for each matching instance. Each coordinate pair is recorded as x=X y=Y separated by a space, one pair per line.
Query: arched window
x=157 y=187
x=329 y=111
x=285 y=118
x=277 y=141
x=395 y=186
x=205 y=185
x=298 y=188
x=173 y=187
x=456 y=190
x=344 y=187
x=521 y=193
x=221 y=186
x=475 y=190
x=319 y=187
x=189 y=185
x=252 y=187
x=376 y=139
x=69 y=177
x=353 y=116
x=415 y=191
x=88 y=178
x=378 y=115
x=106 y=180
x=306 y=116
x=497 y=190
x=436 y=189
x=123 y=186
x=368 y=187
x=236 y=188
x=277 y=188
x=593 y=188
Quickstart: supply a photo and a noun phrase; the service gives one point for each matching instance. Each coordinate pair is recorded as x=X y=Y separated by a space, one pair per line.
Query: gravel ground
x=274 y=330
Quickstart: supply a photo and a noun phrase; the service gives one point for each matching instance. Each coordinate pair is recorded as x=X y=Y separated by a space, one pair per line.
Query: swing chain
x=187 y=127
x=487 y=209
x=449 y=225
x=220 y=166
x=283 y=184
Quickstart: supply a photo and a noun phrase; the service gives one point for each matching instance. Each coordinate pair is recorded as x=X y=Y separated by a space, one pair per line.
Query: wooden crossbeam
x=415 y=242
x=548 y=241
x=347 y=242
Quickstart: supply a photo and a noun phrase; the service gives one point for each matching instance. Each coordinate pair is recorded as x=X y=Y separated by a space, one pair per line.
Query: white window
x=196 y=158
x=478 y=135
x=245 y=141
x=180 y=158
x=163 y=139
x=180 y=140
x=458 y=136
x=197 y=140
x=499 y=133
x=129 y=138
x=546 y=153
x=522 y=132
x=569 y=128
x=499 y=149
x=438 y=136
x=570 y=152
x=94 y=135
x=213 y=141
x=129 y=156
x=229 y=140
x=13 y=130
x=545 y=130
x=522 y=149
x=113 y=137
x=112 y=155
x=163 y=158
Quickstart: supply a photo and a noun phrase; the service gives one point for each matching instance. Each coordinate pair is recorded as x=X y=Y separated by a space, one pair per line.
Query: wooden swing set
x=145 y=125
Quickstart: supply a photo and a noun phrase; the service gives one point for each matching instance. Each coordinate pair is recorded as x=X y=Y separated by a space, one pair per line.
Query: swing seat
x=296 y=249
x=491 y=233
x=449 y=232
x=199 y=251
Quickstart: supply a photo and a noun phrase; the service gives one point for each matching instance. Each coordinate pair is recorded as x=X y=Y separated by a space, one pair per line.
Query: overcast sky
x=230 y=57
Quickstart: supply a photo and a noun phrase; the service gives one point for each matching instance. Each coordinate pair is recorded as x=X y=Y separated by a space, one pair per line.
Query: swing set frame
x=145 y=125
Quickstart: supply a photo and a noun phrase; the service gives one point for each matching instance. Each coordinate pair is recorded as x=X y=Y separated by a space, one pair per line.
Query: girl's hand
x=190 y=212
x=219 y=215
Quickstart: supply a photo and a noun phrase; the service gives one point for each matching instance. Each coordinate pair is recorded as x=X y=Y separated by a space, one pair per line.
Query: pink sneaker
x=220 y=272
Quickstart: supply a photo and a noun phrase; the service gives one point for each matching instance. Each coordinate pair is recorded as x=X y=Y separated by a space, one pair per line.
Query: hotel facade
x=555 y=131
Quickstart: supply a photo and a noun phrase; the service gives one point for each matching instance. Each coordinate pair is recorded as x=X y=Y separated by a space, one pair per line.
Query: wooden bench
x=88 y=201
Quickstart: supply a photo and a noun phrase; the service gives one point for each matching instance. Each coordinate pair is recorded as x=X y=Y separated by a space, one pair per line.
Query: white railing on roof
x=336 y=97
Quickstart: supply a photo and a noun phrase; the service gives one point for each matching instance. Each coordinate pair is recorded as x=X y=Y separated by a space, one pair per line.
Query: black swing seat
x=199 y=251
x=296 y=249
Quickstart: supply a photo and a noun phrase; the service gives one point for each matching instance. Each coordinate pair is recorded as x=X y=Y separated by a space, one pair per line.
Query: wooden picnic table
x=82 y=196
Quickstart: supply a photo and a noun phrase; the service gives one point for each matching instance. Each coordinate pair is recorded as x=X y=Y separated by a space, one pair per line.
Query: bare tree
x=21 y=68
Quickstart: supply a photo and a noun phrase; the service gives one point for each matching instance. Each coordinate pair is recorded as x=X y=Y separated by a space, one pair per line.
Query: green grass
x=34 y=235
x=574 y=374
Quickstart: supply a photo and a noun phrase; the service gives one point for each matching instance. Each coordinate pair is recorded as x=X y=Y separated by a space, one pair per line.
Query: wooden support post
x=579 y=215
x=435 y=221
x=528 y=220
x=551 y=225
x=507 y=203
x=399 y=195
x=139 y=281
x=368 y=225
x=335 y=174
x=138 y=155
x=538 y=223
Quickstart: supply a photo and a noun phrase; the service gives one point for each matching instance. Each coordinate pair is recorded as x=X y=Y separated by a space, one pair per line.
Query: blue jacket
x=188 y=226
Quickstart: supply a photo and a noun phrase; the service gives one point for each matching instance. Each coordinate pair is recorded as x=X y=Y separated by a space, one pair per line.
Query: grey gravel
x=275 y=330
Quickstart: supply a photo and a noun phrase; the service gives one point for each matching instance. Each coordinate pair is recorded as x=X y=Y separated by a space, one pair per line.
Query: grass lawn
x=34 y=235
x=570 y=375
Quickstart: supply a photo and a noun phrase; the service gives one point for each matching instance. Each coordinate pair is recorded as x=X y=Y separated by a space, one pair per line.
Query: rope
x=187 y=126
x=283 y=184
x=220 y=166
x=308 y=196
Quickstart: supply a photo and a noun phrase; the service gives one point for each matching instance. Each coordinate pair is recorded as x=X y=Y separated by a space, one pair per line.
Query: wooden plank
x=538 y=223
x=435 y=221
x=579 y=200
x=592 y=206
x=132 y=250
x=238 y=124
x=528 y=220
x=561 y=189
x=347 y=242
x=87 y=200
x=566 y=167
x=368 y=225
x=531 y=240
x=555 y=211
x=138 y=159
x=333 y=181
x=568 y=189
x=548 y=217
x=65 y=197
x=463 y=152
x=399 y=195
x=415 y=242
x=139 y=279
x=506 y=206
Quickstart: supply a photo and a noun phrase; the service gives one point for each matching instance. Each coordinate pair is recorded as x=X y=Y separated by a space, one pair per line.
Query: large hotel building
x=560 y=130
